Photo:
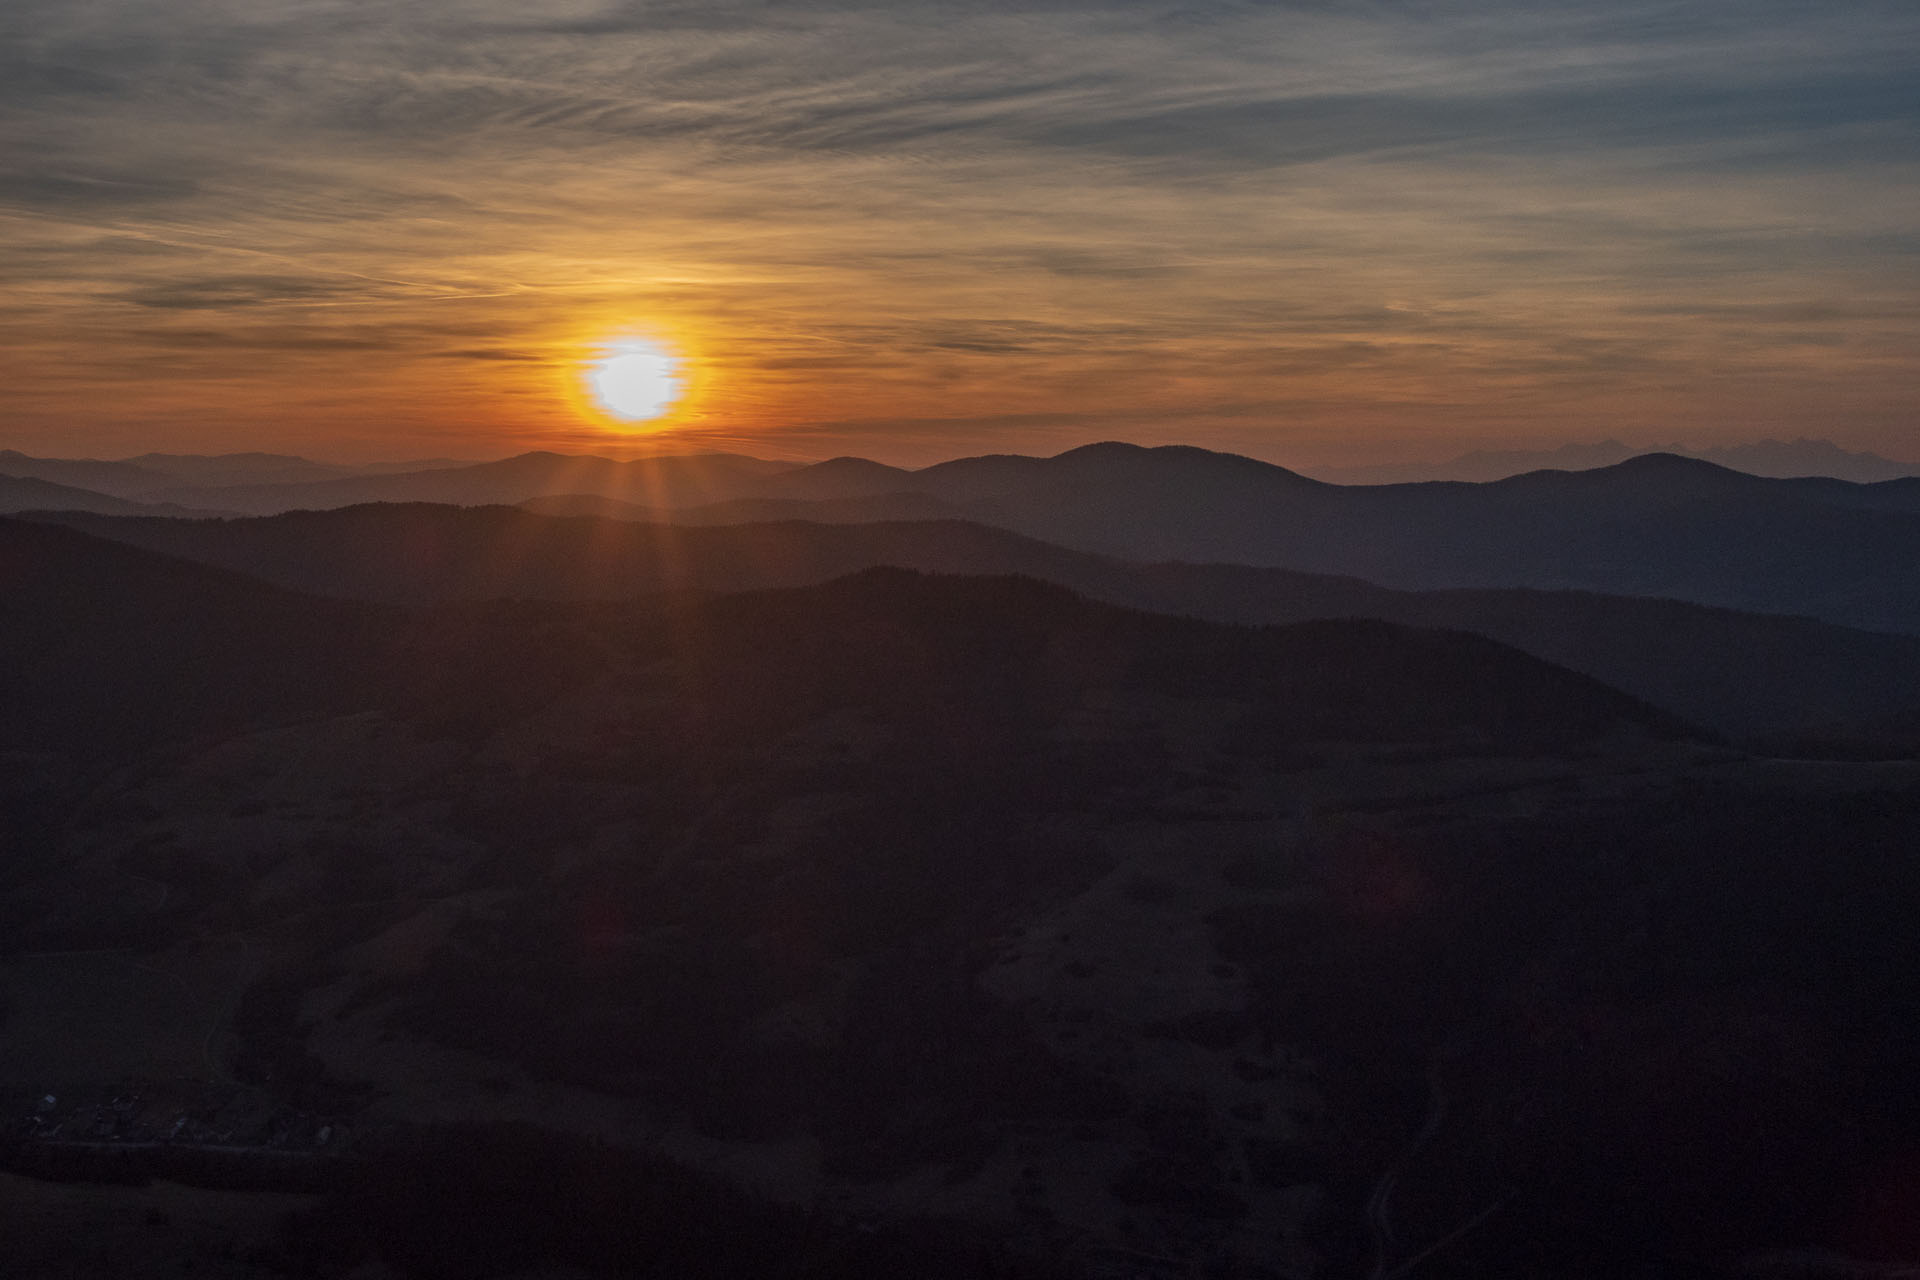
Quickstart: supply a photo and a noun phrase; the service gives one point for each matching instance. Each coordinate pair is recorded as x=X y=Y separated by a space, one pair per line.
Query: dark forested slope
x=1738 y=672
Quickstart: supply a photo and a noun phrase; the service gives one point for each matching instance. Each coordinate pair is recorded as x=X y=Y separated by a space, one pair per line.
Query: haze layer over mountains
x=1657 y=525
x=1785 y=459
x=1745 y=604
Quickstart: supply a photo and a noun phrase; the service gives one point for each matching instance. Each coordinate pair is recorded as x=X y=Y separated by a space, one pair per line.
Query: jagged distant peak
x=1809 y=457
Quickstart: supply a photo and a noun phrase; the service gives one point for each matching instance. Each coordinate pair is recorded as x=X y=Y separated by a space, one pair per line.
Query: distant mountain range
x=1777 y=458
x=1655 y=525
x=28 y=493
x=150 y=474
x=1740 y=673
x=170 y=475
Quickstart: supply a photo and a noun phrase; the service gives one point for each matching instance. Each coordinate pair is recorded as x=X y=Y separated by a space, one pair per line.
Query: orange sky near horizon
x=1308 y=234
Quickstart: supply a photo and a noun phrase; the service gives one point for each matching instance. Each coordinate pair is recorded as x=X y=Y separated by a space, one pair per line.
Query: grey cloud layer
x=1237 y=83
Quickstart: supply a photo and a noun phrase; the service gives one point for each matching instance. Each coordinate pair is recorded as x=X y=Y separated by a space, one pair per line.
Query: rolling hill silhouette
x=188 y=470
x=118 y=479
x=110 y=643
x=1780 y=458
x=1739 y=672
x=1655 y=525
x=147 y=474
x=673 y=480
x=881 y=508
x=107 y=648
x=23 y=493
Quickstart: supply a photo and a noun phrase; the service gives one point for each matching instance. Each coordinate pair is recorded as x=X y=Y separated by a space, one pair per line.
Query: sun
x=635 y=380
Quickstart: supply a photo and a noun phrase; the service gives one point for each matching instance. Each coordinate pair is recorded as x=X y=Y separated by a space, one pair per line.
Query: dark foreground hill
x=423 y=553
x=1109 y=937
x=105 y=647
x=107 y=641
x=1740 y=673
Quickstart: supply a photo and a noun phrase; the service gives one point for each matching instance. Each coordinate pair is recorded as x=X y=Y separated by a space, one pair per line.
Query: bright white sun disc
x=635 y=380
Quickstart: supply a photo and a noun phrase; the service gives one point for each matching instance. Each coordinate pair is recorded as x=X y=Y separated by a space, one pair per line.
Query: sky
x=1336 y=232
